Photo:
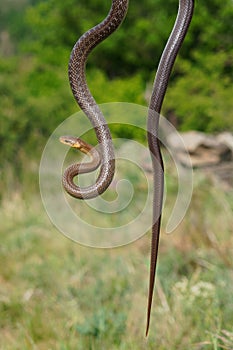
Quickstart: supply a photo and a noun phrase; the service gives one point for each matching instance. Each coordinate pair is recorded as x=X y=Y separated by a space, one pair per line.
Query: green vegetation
x=36 y=40
x=55 y=294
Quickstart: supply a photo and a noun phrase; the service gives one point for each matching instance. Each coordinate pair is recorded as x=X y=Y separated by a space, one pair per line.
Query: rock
x=204 y=150
x=227 y=139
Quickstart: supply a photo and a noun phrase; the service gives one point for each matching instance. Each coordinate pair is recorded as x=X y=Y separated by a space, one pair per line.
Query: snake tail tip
x=147 y=331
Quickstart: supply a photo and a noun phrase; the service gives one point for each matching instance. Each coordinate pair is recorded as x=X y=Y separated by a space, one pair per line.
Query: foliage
x=73 y=297
x=137 y=45
x=207 y=105
x=93 y=299
x=36 y=40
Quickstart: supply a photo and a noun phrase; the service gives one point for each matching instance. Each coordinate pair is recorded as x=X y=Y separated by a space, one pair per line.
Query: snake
x=104 y=156
x=77 y=78
x=82 y=168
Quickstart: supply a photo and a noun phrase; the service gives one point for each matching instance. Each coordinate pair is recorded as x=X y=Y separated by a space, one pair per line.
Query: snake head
x=77 y=143
x=71 y=141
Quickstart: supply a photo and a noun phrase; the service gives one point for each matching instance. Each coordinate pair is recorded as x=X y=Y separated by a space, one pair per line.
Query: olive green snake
x=104 y=157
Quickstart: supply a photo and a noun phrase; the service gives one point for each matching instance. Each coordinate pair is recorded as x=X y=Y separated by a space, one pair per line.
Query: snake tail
x=183 y=19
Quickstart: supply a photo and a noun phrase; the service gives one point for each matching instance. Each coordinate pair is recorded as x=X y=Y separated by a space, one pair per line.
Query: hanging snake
x=104 y=157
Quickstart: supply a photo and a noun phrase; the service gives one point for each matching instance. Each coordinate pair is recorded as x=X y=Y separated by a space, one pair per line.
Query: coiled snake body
x=105 y=158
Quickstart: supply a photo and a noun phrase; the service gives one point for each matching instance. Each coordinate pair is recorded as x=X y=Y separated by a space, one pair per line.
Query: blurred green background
x=55 y=294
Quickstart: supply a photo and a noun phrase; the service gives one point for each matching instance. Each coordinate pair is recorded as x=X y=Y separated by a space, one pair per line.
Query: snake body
x=166 y=63
x=87 y=103
x=82 y=168
x=82 y=94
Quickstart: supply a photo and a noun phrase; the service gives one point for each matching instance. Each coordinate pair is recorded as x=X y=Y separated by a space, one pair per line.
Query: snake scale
x=105 y=156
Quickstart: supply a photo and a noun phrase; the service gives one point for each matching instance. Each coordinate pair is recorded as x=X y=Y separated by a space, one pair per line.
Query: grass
x=55 y=294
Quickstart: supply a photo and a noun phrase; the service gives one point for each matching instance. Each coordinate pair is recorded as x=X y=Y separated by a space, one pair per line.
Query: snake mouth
x=70 y=141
